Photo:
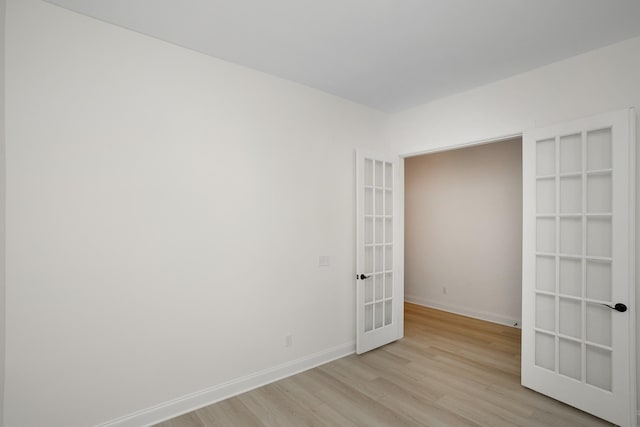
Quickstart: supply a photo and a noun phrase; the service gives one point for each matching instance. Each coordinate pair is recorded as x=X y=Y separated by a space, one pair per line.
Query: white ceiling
x=387 y=54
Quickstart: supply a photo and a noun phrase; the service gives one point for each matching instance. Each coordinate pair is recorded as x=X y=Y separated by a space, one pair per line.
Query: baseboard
x=476 y=314
x=193 y=401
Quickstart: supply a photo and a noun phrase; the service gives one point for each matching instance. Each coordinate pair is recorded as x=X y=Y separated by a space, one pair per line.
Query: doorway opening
x=463 y=230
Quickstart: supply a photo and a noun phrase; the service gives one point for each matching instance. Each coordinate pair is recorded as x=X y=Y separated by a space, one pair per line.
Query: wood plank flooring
x=449 y=370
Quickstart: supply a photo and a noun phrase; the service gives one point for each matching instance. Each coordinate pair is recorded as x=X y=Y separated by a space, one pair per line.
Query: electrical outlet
x=323 y=261
x=288 y=340
x=444 y=290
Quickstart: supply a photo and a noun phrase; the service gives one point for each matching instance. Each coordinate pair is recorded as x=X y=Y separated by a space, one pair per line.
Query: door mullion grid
x=583 y=347
x=361 y=183
x=606 y=394
x=362 y=248
x=383 y=237
x=374 y=219
x=390 y=222
x=557 y=257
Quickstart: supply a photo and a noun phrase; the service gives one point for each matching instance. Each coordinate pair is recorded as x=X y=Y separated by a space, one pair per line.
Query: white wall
x=2 y=212
x=463 y=231
x=602 y=80
x=165 y=214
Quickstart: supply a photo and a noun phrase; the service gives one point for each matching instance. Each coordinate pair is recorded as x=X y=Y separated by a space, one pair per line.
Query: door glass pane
x=570 y=358
x=571 y=276
x=571 y=153
x=546 y=157
x=599 y=280
x=368 y=172
x=378 y=315
x=368 y=317
x=546 y=273
x=546 y=196
x=599 y=237
x=368 y=201
x=388 y=177
x=379 y=174
x=599 y=368
x=388 y=285
x=388 y=312
x=571 y=194
x=379 y=286
x=599 y=193
x=368 y=259
x=379 y=263
x=599 y=324
x=546 y=312
x=379 y=230
x=388 y=230
x=388 y=204
x=571 y=236
x=599 y=149
x=388 y=259
x=368 y=230
x=368 y=291
x=379 y=202
x=570 y=317
x=546 y=235
x=545 y=351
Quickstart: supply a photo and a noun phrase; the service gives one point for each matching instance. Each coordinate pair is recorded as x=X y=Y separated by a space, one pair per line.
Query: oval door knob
x=362 y=277
x=618 y=307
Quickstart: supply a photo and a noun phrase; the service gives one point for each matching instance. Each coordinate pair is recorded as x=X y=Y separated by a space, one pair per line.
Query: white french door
x=377 y=302
x=578 y=266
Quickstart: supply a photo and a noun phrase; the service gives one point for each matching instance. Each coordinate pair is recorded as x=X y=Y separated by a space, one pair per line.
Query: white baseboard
x=476 y=314
x=193 y=401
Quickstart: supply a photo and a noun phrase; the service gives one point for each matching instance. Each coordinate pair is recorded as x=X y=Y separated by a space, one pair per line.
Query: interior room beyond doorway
x=463 y=231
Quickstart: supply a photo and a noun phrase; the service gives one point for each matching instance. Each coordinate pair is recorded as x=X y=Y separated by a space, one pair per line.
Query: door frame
x=632 y=236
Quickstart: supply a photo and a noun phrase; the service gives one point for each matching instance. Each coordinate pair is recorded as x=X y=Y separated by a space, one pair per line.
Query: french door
x=377 y=302
x=578 y=264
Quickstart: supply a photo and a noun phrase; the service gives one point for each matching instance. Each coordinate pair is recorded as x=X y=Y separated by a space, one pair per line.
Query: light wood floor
x=449 y=370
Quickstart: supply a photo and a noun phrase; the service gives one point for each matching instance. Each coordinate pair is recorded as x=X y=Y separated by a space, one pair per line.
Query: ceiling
x=387 y=54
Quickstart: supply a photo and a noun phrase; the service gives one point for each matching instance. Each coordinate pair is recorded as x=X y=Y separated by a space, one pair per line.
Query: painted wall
x=598 y=81
x=2 y=211
x=165 y=214
x=463 y=231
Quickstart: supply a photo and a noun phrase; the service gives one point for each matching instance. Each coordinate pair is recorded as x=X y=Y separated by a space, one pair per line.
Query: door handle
x=362 y=277
x=618 y=307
